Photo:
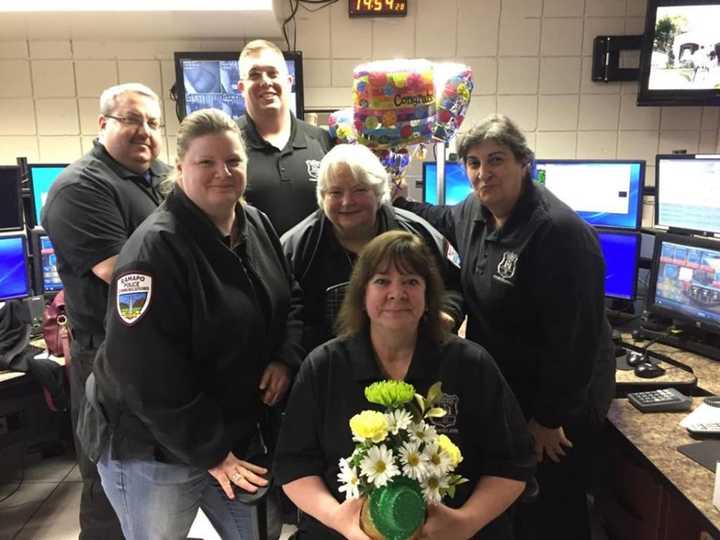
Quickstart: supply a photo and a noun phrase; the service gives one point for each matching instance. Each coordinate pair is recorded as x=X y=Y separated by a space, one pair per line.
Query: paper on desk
x=46 y=355
x=704 y=414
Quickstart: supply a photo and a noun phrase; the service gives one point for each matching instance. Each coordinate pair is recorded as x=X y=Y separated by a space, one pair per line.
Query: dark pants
x=97 y=517
x=560 y=511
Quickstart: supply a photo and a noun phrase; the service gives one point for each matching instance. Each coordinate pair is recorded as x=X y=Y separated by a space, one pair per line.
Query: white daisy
x=432 y=486
x=349 y=480
x=397 y=420
x=439 y=462
x=414 y=463
x=378 y=466
x=422 y=432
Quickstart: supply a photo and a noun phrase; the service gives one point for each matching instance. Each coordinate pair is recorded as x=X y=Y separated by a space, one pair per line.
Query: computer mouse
x=646 y=370
x=634 y=358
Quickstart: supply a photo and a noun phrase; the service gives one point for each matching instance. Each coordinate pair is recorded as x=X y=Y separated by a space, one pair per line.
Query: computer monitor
x=685 y=281
x=605 y=193
x=10 y=199
x=688 y=193
x=209 y=80
x=47 y=279
x=457 y=185
x=621 y=251
x=42 y=177
x=14 y=268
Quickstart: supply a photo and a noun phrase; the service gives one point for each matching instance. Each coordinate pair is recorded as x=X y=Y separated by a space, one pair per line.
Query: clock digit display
x=377 y=8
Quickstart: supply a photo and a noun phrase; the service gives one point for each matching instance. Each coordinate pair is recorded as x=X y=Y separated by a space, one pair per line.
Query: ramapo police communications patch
x=134 y=291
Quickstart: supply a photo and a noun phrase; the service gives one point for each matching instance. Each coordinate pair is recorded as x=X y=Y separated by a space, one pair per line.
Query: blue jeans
x=159 y=501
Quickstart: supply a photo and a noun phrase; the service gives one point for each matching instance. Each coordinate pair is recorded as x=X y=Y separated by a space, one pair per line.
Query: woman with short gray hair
x=352 y=194
x=533 y=278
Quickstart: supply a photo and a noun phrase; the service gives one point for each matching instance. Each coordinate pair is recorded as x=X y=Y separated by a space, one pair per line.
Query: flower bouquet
x=400 y=463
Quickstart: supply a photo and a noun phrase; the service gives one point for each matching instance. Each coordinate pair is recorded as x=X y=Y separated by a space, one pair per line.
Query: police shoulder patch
x=134 y=292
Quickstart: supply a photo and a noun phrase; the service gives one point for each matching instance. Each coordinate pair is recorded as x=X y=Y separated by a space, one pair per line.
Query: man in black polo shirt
x=91 y=210
x=284 y=153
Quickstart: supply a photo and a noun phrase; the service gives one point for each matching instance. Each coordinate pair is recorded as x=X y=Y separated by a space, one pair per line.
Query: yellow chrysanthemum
x=450 y=448
x=369 y=426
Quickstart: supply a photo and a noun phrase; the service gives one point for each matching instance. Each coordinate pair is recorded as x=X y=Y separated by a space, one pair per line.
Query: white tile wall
x=531 y=60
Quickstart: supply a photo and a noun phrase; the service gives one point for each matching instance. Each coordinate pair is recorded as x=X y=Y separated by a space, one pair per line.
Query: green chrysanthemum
x=390 y=393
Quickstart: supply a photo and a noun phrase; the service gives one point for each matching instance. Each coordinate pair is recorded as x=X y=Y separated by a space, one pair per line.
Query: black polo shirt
x=483 y=418
x=282 y=183
x=92 y=209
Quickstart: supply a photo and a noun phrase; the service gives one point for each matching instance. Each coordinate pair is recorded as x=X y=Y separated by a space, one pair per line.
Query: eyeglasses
x=138 y=121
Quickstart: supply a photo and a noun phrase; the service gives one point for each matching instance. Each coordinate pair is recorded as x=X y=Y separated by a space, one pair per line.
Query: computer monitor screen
x=42 y=177
x=14 y=277
x=604 y=193
x=685 y=280
x=621 y=251
x=688 y=192
x=210 y=80
x=10 y=199
x=680 y=57
x=46 y=273
x=457 y=185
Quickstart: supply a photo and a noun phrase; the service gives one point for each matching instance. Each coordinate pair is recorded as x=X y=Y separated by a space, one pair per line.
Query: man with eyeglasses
x=284 y=153
x=92 y=208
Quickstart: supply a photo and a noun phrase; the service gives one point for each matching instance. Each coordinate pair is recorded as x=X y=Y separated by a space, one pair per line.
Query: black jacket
x=319 y=261
x=534 y=292
x=179 y=371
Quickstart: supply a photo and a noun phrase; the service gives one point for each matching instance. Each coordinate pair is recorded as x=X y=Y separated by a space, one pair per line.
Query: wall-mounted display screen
x=14 y=275
x=605 y=193
x=688 y=192
x=10 y=199
x=680 y=60
x=210 y=80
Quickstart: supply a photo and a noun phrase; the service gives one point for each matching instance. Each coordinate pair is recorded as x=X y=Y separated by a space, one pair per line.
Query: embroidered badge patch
x=506 y=267
x=313 y=169
x=451 y=404
x=134 y=291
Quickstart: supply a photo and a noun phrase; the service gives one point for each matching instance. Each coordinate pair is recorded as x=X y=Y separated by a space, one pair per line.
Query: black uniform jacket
x=319 y=262
x=534 y=292
x=181 y=379
x=483 y=417
x=282 y=183
x=92 y=209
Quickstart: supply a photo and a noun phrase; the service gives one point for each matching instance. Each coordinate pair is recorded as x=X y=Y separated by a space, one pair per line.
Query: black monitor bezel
x=651 y=306
x=673 y=229
x=31 y=220
x=295 y=56
x=638 y=243
x=28 y=277
x=643 y=168
x=648 y=97
x=38 y=281
x=21 y=222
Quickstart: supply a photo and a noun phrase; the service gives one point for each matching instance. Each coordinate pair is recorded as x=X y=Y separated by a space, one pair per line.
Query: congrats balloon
x=453 y=88
x=394 y=102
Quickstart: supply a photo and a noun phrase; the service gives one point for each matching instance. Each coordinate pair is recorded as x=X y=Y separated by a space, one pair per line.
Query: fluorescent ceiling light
x=137 y=5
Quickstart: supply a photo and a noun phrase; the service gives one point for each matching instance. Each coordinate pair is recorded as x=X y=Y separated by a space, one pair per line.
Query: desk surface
x=657 y=435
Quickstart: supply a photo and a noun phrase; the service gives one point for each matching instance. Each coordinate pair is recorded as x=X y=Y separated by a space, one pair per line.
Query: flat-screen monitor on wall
x=685 y=281
x=621 y=251
x=680 y=59
x=10 y=199
x=457 y=185
x=14 y=270
x=605 y=193
x=210 y=80
x=688 y=192
x=42 y=177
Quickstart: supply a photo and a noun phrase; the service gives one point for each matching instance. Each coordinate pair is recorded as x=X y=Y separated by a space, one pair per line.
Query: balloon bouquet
x=400 y=105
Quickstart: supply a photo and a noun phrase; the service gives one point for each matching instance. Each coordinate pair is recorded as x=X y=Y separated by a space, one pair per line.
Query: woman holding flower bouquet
x=468 y=427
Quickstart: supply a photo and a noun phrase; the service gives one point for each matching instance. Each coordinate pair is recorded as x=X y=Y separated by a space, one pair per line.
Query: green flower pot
x=394 y=512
